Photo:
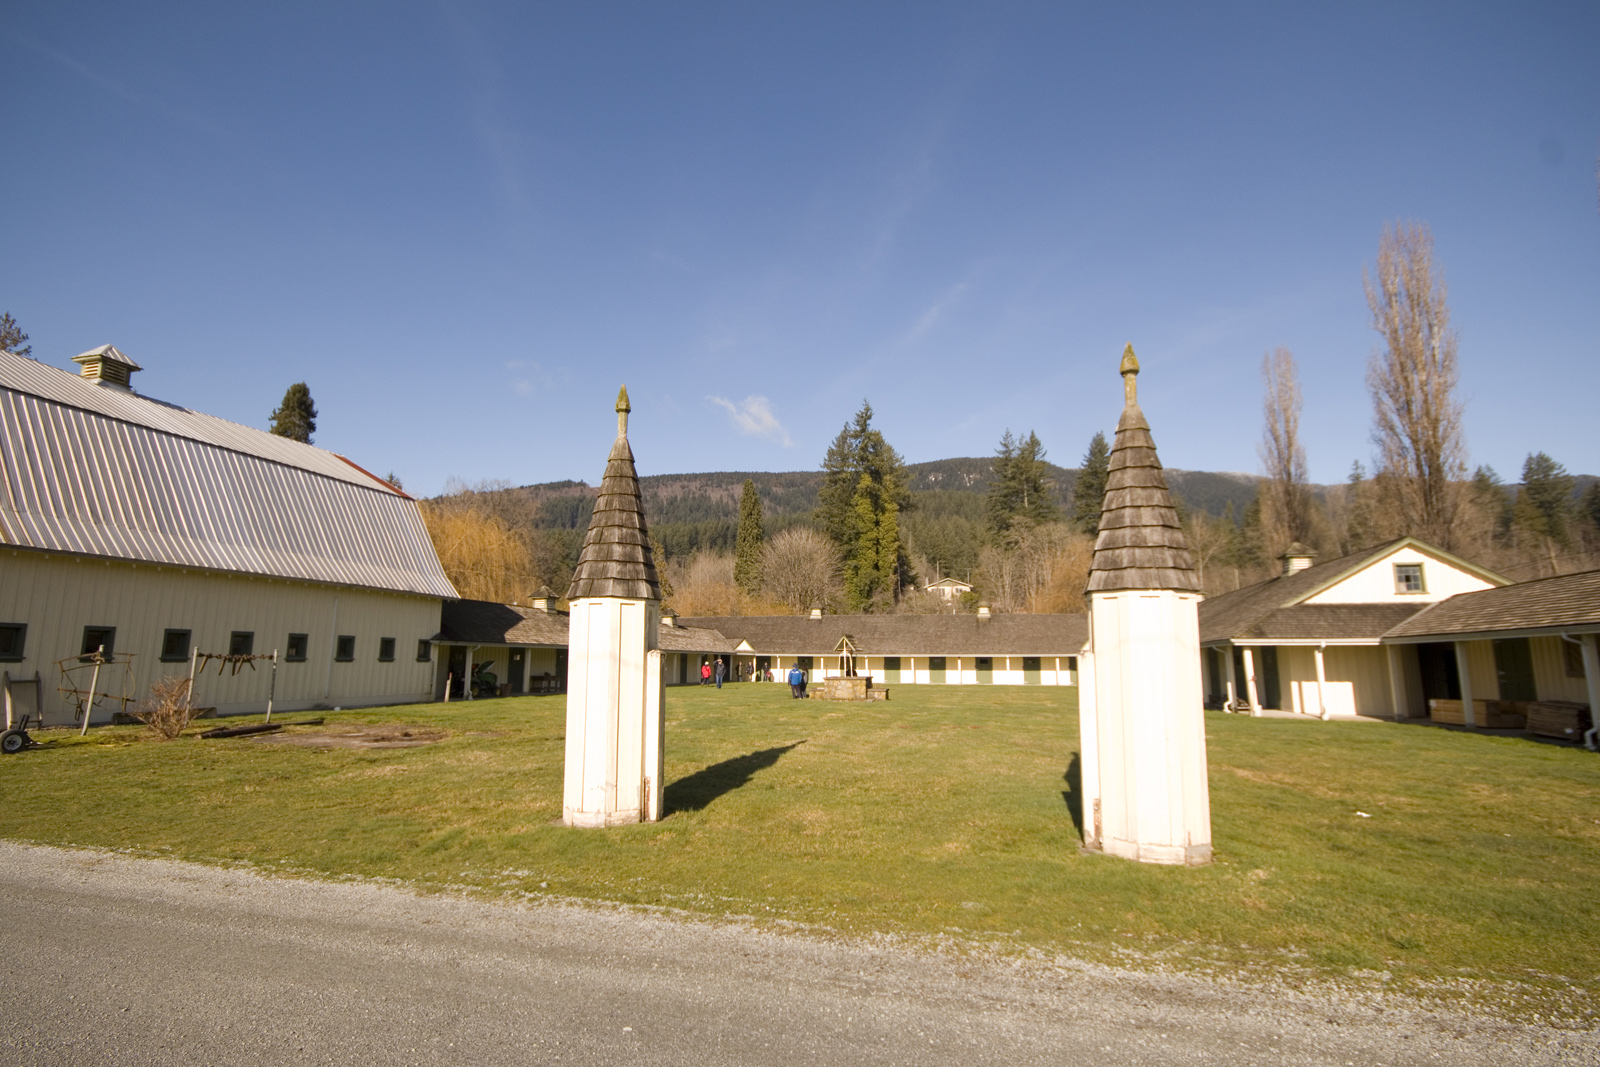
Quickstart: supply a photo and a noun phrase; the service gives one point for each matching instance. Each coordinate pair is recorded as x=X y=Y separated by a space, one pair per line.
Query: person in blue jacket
x=797 y=681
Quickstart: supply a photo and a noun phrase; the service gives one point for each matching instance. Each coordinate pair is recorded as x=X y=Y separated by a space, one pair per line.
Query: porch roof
x=1567 y=602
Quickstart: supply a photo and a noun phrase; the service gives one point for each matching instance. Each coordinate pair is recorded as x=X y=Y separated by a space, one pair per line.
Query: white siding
x=1374 y=583
x=58 y=595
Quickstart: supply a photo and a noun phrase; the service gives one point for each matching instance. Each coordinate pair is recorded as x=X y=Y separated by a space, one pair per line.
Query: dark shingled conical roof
x=1141 y=544
x=616 y=559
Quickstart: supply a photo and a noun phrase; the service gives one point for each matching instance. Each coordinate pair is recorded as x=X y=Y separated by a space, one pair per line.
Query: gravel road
x=114 y=960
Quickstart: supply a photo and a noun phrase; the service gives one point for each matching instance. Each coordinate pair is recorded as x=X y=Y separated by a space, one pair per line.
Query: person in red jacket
x=705 y=673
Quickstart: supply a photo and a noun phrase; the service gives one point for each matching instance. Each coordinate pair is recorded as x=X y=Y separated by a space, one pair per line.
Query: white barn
x=156 y=531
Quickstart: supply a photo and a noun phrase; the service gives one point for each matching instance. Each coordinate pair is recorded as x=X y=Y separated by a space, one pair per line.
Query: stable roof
x=904 y=635
x=99 y=470
x=1563 y=604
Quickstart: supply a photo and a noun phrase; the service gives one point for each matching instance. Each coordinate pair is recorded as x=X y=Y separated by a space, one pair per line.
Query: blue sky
x=466 y=224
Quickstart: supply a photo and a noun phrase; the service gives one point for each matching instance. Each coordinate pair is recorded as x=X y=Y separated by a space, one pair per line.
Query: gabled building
x=1311 y=639
x=154 y=532
x=1535 y=641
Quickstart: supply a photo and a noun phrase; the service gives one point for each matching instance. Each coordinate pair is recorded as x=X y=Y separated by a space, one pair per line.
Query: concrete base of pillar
x=592 y=819
x=1172 y=855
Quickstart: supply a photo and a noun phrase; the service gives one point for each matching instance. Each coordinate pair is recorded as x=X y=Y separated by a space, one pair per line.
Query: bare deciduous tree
x=1416 y=418
x=1281 y=451
x=800 y=569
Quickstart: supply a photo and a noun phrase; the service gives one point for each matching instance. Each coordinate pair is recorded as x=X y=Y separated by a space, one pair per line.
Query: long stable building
x=980 y=649
x=155 y=533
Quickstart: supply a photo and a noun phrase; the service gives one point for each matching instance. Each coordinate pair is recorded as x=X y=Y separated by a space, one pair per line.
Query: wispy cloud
x=753 y=417
x=178 y=114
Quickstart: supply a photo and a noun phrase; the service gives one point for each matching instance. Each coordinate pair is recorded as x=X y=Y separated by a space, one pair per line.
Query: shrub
x=167 y=711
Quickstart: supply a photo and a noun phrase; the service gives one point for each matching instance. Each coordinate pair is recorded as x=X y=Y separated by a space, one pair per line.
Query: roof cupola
x=107 y=366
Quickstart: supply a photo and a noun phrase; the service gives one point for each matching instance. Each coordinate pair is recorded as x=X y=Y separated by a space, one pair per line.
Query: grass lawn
x=946 y=811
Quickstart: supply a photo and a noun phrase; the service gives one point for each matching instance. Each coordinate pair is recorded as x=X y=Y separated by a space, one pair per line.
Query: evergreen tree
x=296 y=417
x=1589 y=507
x=1545 y=500
x=1360 y=528
x=1089 y=492
x=12 y=339
x=747 y=550
x=863 y=492
x=1021 y=489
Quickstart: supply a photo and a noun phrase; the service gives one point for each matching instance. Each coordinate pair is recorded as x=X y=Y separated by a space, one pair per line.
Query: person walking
x=705 y=672
x=721 y=670
x=796 y=678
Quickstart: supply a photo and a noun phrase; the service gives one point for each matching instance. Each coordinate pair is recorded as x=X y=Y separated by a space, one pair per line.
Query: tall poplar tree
x=1089 y=492
x=296 y=417
x=747 y=549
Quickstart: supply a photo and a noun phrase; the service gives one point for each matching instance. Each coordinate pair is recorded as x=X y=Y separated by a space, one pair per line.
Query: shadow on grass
x=1073 y=793
x=707 y=784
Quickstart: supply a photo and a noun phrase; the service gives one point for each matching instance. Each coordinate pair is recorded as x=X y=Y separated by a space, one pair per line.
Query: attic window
x=1408 y=578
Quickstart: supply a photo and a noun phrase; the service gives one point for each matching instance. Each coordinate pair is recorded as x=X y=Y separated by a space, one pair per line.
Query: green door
x=936 y=669
x=1030 y=670
x=985 y=670
x=891 y=669
x=1513 y=662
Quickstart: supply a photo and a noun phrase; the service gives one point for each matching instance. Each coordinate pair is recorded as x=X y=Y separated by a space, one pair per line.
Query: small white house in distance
x=1311 y=639
x=154 y=532
x=980 y=649
x=948 y=588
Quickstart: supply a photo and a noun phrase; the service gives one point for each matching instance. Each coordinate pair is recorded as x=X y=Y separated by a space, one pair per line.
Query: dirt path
x=108 y=959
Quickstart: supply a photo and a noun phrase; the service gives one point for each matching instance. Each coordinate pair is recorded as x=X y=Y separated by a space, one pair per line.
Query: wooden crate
x=1558 y=718
x=1489 y=714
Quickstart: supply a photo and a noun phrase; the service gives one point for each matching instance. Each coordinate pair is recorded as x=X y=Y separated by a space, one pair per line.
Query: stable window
x=385 y=650
x=1573 y=655
x=805 y=663
x=13 y=637
x=175 y=646
x=345 y=650
x=97 y=638
x=1072 y=664
x=296 y=652
x=424 y=651
x=1408 y=578
x=241 y=643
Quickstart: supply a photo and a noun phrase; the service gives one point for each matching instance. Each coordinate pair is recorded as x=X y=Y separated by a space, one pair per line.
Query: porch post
x=1397 y=684
x=1322 y=681
x=1232 y=682
x=1250 y=681
x=1591 y=672
x=1464 y=670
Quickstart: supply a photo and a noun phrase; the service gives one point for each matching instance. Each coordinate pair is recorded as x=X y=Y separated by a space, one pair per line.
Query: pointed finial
x=1129 y=371
x=623 y=407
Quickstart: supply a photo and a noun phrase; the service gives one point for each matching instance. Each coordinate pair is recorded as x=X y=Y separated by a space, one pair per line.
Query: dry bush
x=1036 y=569
x=484 y=557
x=800 y=570
x=167 y=712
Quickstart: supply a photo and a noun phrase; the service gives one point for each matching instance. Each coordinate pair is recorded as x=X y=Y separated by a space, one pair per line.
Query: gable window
x=424 y=651
x=1408 y=578
x=175 y=646
x=97 y=637
x=345 y=650
x=296 y=652
x=385 y=650
x=241 y=643
x=13 y=636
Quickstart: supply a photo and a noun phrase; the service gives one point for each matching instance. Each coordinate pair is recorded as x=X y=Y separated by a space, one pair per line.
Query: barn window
x=241 y=643
x=385 y=650
x=345 y=651
x=13 y=636
x=1408 y=578
x=296 y=652
x=175 y=646
x=97 y=637
x=424 y=651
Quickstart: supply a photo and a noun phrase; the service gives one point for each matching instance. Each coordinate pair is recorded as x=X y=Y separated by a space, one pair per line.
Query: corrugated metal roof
x=106 y=472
